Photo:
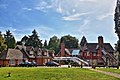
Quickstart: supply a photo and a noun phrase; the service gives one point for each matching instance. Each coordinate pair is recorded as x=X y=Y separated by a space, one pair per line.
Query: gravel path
x=108 y=73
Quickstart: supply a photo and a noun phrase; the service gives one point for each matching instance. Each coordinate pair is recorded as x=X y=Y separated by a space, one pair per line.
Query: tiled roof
x=108 y=47
x=12 y=54
x=93 y=47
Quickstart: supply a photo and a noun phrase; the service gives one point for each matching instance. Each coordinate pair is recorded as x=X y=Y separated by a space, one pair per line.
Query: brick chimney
x=100 y=43
x=100 y=40
x=62 y=54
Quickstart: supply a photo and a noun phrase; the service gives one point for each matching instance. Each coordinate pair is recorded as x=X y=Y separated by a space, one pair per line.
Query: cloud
x=5 y=28
x=101 y=17
x=27 y=9
x=109 y=12
x=43 y=31
x=83 y=29
x=59 y=9
x=75 y=16
x=42 y=6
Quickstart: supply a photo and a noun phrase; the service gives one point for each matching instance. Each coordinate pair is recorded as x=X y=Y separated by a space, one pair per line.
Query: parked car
x=75 y=64
x=52 y=63
x=28 y=64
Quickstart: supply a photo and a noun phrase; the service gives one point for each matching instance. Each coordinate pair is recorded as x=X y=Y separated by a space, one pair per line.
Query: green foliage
x=117 y=48
x=3 y=46
x=9 y=39
x=45 y=44
x=54 y=44
x=70 y=42
x=52 y=74
x=24 y=39
x=32 y=40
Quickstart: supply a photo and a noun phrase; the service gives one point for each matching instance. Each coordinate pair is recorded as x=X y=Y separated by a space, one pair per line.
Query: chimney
x=62 y=50
x=100 y=43
x=100 y=40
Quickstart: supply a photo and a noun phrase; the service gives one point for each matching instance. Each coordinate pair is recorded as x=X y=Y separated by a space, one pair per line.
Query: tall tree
x=3 y=46
x=34 y=40
x=9 y=39
x=117 y=27
x=54 y=44
x=24 y=39
x=69 y=41
x=45 y=44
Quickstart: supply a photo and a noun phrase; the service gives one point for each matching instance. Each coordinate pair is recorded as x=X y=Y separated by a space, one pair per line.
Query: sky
x=89 y=18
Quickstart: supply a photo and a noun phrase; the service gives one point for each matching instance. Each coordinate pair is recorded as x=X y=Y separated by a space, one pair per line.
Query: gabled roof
x=83 y=41
x=93 y=47
x=11 y=54
x=19 y=47
x=108 y=47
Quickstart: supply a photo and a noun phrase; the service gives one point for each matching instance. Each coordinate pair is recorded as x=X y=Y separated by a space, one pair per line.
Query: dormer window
x=45 y=53
x=31 y=52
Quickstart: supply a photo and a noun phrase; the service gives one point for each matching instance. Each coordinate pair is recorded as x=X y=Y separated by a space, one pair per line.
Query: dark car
x=75 y=64
x=28 y=64
x=52 y=63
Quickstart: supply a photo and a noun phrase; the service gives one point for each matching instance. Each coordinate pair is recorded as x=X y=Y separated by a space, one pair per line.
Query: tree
x=45 y=44
x=24 y=39
x=33 y=40
x=3 y=46
x=69 y=41
x=9 y=39
x=54 y=44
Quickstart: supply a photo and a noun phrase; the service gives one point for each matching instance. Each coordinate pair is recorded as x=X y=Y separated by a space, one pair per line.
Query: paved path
x=108 y=73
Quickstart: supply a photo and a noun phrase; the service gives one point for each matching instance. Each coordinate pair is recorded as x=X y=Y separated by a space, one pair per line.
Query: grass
x=51 y=74
x=113 y=70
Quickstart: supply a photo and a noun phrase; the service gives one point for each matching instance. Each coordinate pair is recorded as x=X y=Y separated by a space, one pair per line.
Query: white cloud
x=75 y=16
x=42 y=6
x=5 y=28
x=59 y=9
x=83 y=28
x=101 y=17
x=27 y=9
x=44 y=32
x=109 y=12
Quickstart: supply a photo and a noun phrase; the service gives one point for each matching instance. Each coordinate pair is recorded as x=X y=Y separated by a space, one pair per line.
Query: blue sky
x=90 y=18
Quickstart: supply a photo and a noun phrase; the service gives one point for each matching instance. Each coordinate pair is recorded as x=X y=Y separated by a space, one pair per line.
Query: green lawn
x=113 y=70
x=51 y=74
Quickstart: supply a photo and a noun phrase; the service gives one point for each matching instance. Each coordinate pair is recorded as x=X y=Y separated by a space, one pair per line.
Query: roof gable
x=93 y=47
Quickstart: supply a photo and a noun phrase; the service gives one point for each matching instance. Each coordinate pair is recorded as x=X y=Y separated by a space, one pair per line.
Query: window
x=45 y=60
x=94 y=54
x=31 y=52
x=45 y=53
x=39 y=54
x=88 y=54
x=12 y=61
x=48 y=60
x=20 y=61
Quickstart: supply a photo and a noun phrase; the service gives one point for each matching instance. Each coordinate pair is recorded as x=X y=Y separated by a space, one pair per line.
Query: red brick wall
x=62 y=54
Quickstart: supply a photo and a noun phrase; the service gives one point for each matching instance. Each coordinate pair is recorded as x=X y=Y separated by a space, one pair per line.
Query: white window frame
x=12 y=61
x=31 y=52
x=20 y=61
